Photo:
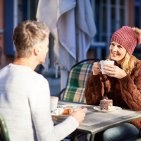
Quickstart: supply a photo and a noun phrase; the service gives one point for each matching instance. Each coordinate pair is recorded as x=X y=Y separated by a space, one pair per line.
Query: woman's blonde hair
x=128 y=63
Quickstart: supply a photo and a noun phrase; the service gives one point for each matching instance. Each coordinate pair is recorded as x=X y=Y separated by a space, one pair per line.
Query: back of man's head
x=27 y=35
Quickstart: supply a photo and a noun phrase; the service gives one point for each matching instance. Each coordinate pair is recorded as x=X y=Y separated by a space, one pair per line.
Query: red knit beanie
x=127 y=38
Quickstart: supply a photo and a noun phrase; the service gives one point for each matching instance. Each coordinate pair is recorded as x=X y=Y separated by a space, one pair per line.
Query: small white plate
x=114 y=108
x=58 y=113
x=70 y=106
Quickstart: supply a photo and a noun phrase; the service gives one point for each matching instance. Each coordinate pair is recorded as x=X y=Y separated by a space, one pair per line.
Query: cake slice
x=106 y=104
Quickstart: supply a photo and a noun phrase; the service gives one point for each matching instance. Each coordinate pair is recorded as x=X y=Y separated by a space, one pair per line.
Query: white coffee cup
x=53 y=103
x=103 y=62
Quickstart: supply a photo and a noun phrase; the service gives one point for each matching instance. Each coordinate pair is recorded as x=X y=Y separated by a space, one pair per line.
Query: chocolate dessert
x=106 y=104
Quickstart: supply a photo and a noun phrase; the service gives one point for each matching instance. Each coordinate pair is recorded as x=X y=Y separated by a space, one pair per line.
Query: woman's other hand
x=96 y=68
x=138 y=31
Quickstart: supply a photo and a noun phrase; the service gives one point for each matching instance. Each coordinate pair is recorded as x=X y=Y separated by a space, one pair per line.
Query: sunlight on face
x=117 y=52
x=44 y=51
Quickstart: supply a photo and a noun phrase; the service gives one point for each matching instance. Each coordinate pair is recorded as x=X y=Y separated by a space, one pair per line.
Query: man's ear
x=37 y=50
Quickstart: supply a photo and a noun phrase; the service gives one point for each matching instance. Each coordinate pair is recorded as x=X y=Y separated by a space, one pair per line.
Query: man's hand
x=79 y=114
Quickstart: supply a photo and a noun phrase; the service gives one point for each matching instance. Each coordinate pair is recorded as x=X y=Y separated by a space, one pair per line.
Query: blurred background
x=108 y=16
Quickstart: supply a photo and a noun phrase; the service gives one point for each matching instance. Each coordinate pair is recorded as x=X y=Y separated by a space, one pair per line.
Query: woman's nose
x=115 y=48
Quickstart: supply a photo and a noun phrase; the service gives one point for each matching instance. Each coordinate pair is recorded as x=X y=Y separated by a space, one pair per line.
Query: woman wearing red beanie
x=121 y=82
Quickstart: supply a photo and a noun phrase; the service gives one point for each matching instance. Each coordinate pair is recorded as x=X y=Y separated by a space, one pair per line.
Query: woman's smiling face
x=117 y=52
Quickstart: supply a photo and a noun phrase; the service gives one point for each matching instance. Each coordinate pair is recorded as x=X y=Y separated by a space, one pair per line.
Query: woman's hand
x=138 y=31
x=114 y=71
x=96 y=68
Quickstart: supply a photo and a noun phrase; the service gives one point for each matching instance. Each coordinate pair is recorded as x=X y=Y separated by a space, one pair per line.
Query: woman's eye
x=112 y=44
x=119 y=46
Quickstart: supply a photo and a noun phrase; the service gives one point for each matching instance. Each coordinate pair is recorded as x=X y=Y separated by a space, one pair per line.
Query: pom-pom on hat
x=127 y=38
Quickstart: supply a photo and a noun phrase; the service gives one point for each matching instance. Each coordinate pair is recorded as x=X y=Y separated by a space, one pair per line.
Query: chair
x=4 y=135
x=74 y=91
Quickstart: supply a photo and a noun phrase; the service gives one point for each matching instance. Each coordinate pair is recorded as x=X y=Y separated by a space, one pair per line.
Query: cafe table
x=96 y=120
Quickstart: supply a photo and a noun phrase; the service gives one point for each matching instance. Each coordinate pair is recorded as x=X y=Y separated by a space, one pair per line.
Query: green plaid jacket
x=75 y=90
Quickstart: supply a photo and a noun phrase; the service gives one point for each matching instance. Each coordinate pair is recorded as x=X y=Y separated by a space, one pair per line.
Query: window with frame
x=109 y=15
